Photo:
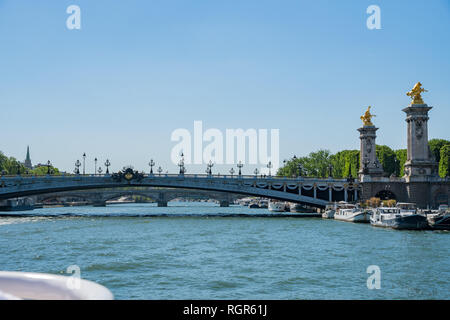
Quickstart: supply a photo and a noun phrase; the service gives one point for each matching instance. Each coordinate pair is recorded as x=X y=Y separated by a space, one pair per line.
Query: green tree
x=444 y=163
x=387 y=158
x=41 y=171
x=314 y=165
x=401 y=155
x=317 y=163
x=435 y=147
x=345 y=162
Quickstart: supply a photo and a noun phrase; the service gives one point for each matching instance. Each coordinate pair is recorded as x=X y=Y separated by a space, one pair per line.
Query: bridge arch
x=386 y=195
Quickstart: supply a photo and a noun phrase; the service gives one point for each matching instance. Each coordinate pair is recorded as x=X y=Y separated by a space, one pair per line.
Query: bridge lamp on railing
x=300 y=170
x=181 y=164
x=151 y=164
x=99 y=170
x=49 y=164
x=209 y=168
x=240 y=165
x=107 y=164
x=84 y=163
x=269 y=165
x=330 y=171
x=232 y=172
x=160 y=170
x=77 y=167
x=95 y=166
x=256 y=172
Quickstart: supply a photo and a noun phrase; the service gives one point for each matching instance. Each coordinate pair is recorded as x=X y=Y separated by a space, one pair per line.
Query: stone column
x=224 y=203
x=368 y=163
x=162 y=203
x=420 y=163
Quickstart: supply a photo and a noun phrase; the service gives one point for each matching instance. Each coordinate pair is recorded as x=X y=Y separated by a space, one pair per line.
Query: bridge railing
x=171 y=175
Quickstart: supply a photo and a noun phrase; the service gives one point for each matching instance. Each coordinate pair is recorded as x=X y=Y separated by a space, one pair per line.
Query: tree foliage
x=444 y=163
x=344 y=162
x=10 y=165
x=435 y=147
x=387 y=158
x=401 y=156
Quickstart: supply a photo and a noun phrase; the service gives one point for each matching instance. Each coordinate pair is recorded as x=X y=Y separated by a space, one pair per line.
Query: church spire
x=27 y=163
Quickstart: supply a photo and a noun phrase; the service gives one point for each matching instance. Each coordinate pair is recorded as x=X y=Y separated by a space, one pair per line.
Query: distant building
x=27 y=162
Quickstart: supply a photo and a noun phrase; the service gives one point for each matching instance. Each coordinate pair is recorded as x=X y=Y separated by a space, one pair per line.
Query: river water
x=202 y=251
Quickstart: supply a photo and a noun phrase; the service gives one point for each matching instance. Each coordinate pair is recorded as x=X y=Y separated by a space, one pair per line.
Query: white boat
x=351 y=213
x=396 y=219
x=277 y=206
x=44 y=286
x=330 y=210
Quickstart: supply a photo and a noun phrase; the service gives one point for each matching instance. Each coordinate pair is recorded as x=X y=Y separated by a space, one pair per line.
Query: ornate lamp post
x=99 y=170
x=240 y=165
x=48 y=167
x=160 y=170
x=209 y=168
x=107 y=164
x=95 y=166
x=256 y=172
x=84 y=163
x=330 y=171
x=77 y=167
x=269 y=165
x=232 y=172
x=151 y=164
x=181 y=164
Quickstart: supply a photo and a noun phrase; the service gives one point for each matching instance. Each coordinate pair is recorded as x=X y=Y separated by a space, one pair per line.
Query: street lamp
x=256 y=172
x=209 y=168
x=160 y=170
x=95 y=166
x=269 y=165
x=99 y=170
x=232 y=172
x=240 y=165
x=151 y=164
x=330 y=171
x=107 y=164
x=84 y=163
x=181 y=164
x=77 y=167
x=300 y=170
x=48 y=166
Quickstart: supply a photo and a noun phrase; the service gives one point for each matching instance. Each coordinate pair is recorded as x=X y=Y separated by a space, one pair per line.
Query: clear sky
x=138 y=70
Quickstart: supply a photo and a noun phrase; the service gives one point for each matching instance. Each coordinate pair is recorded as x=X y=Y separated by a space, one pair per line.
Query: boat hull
x=329 y=214
x=439 y=222
x=361 y=217
x=412 y=222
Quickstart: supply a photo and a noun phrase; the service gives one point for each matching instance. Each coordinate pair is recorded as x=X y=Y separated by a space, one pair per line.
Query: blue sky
x=137 y=70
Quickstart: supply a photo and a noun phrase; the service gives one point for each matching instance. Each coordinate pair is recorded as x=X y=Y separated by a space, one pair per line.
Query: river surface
x=202 y=251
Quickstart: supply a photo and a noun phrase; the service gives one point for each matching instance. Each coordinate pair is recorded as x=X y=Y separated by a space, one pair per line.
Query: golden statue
x=367 y=117
x=415 y=93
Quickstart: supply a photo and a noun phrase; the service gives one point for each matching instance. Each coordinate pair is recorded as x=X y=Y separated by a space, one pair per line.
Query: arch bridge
x=309 y=191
